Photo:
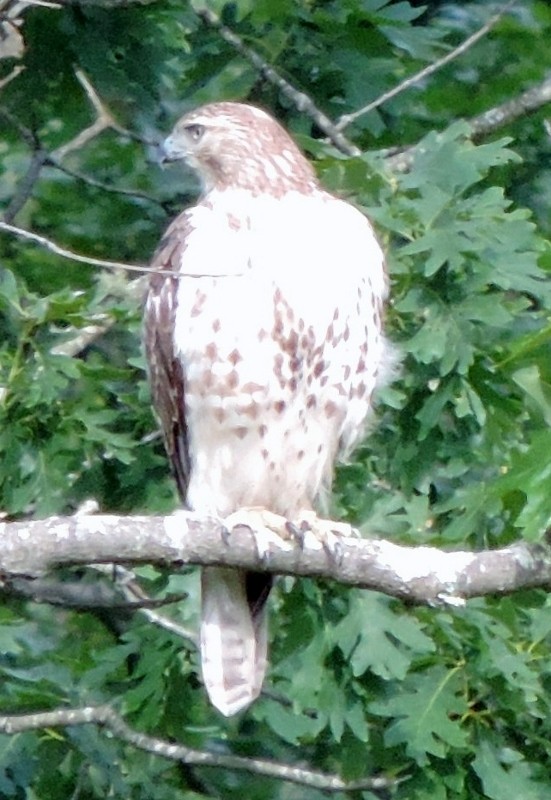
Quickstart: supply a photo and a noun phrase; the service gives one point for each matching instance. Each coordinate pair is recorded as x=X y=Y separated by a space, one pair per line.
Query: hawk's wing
x=166 y=373
x=234 y=632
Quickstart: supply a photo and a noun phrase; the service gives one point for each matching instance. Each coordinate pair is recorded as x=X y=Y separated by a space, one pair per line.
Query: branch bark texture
x=417 y=574
x=108 y=718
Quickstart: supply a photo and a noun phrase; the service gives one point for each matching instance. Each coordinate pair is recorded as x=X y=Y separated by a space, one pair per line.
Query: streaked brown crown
x=233 y=145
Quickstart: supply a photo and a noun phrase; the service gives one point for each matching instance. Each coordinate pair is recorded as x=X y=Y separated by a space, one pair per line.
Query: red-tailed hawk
x=263 y=354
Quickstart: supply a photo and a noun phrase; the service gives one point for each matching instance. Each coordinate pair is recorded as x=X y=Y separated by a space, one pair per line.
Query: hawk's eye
x=195 y=131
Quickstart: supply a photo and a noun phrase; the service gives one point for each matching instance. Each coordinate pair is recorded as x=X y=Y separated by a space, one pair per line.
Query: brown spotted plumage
x=263 y=354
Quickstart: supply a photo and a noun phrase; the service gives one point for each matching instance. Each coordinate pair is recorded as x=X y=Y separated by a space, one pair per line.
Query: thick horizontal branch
x=108 y=718
x=418 y=574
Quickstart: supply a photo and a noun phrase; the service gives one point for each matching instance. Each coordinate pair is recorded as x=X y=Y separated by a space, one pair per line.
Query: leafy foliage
x=456 y=701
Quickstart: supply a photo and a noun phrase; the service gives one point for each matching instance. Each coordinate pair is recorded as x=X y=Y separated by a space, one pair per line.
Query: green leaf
x=426 y=712
x=374 y=636
x=505 y=775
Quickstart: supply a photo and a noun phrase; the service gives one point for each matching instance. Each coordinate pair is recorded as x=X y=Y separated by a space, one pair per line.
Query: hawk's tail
x=234 y=636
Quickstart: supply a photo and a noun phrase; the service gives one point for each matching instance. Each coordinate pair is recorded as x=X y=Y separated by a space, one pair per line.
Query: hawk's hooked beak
x=169 y=151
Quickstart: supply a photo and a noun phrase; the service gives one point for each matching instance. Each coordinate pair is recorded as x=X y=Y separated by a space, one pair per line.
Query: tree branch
x=53 y=247
x=485 y=123
x=108 y=718
x=104 y=187
x=81 y=338
x=300 y=100
x=11 y=76
x=87 y=336
x=137 y=598
x=346 y=119
x=526 y=103
x=26 y=185
x=72 y=256
x=103 y=121
x=418 y=574
x=91 y=596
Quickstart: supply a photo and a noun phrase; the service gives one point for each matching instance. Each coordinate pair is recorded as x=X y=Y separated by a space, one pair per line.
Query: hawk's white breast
x=281 y=344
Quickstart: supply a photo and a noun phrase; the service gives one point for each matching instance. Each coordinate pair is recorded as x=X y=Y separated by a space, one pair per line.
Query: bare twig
x=104 y=121
x=44 y=4
x=301 y=100
x=526 y=103
x=12 y=44
x=28 y=136
x=137 y=597
x=108 y=718
x=88 y=335
x=107 y=4
x=82 y=338
x=72 y=256
x=483 y=124
x=84 y=596
x=100 y=262
x=105 y=187
x=347 y=119
x=26 y=185
x=11 y=76
x=418 y=574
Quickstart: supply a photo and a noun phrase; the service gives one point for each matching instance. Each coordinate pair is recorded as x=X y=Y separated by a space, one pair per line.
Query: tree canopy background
x=456 y=701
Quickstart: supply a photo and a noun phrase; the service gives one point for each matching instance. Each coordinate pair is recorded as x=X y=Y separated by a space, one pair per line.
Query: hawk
x=263 y=352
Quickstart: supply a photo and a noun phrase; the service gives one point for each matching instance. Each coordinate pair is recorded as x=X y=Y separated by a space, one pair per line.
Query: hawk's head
x=239 y=146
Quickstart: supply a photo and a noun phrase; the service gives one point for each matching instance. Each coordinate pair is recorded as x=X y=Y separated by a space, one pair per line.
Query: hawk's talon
x=296 y=533
x=264 y=556
x=333 y=550
x=265 y=526
x=225 y=535
x=328 y=534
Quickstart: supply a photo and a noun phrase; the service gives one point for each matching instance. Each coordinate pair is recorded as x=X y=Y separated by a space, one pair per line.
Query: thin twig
x=108 y=718
x=81 y=338
x=72 y=256
x=530 y=100
x=347 y=119
x=84 y=337
x=28 y=136
x=26 y=185
x=100 y=262
x=104 y=120
x=105 y=187
x=12 y=75
x=97 y=103
x=44 y=4
x=300 y=100
x=83 y=596
x=483 y=124
x=50 y=159
x=127 y=583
